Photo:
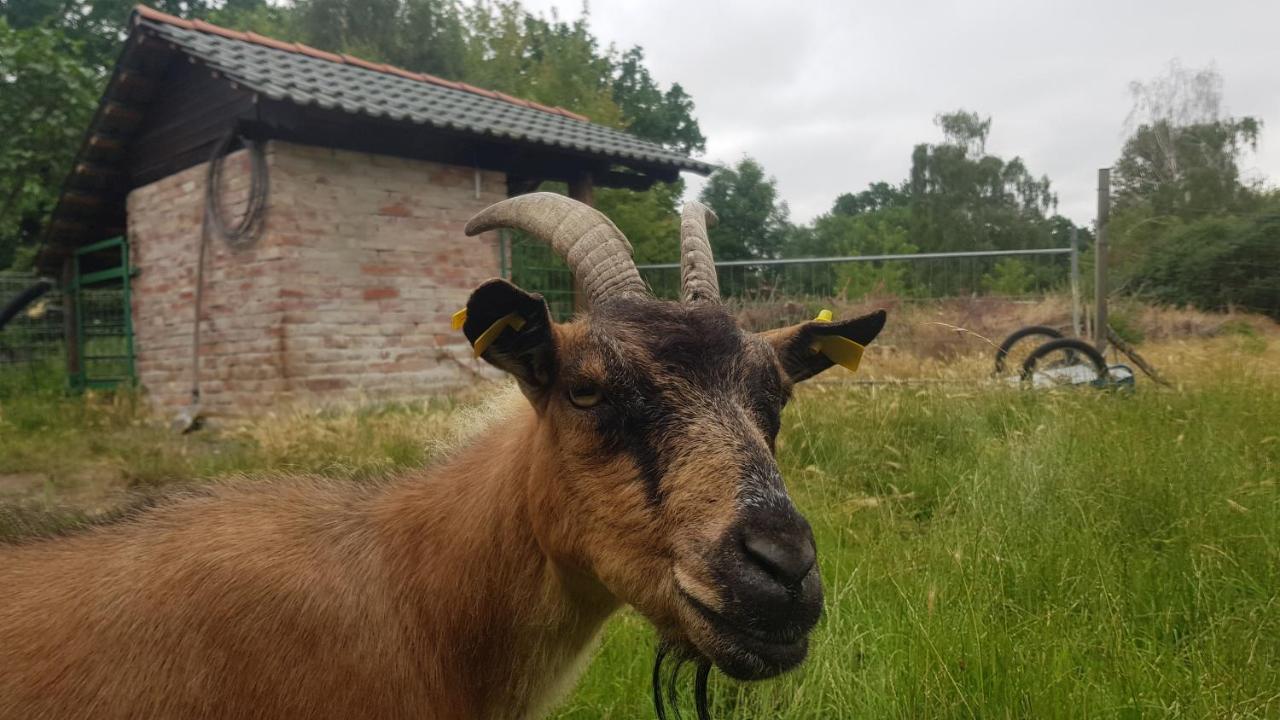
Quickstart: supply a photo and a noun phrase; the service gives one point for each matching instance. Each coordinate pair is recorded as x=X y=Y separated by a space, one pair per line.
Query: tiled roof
x=295 y=73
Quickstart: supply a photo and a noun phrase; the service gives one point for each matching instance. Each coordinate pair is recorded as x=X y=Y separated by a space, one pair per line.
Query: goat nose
x=786 y=559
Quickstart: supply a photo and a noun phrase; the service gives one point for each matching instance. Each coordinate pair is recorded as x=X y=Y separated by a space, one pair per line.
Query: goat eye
x=585 y=396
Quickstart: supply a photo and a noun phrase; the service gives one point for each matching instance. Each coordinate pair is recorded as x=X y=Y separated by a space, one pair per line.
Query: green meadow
x=987 y=552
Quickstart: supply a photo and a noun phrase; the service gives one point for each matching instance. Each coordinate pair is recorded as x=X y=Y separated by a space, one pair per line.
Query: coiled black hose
x=238 y=236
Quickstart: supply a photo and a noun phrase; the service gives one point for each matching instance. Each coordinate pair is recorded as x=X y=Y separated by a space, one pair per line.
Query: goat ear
x=796 y=345
x=511 y=330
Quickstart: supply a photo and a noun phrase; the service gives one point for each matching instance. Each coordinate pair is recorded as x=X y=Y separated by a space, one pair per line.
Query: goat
x=641 y=471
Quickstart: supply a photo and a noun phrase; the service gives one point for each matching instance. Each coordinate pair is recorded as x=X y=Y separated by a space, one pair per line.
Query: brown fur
x=471 y=590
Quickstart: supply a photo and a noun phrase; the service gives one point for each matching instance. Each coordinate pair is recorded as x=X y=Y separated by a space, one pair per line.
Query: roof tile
x=296 y=73
x=321 y=54
x=271 y=42
x=203 y=26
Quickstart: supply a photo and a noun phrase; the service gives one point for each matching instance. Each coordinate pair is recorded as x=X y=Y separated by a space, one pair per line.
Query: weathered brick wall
x=346 y=297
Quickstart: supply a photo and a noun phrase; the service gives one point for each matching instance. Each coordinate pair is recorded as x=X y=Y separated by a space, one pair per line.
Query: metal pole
x=1100 y=261
x=1075 y=282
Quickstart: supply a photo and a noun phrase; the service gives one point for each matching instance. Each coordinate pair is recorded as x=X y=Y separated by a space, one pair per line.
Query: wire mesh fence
x=944 y=304
x=32 y=342
x=921 y=276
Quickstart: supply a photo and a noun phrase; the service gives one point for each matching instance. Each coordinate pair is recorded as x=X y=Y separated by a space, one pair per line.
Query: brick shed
x=346 y=290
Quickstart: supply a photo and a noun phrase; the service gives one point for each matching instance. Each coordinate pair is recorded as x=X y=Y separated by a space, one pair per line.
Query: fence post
x=1100 y=261
x=1075 y=283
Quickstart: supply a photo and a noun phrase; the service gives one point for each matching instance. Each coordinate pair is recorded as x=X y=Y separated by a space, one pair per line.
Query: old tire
x=1002 y=353
x=1073 y=347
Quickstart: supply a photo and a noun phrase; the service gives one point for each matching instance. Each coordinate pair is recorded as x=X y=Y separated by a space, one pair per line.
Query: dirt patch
x=91 y=491
x=21 y=485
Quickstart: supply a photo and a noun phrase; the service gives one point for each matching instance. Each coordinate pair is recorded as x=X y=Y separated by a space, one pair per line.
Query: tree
x=878 y=196
x=965 y=199
x=753 y=222
x=1217 y=261
x=420 y=35
x=650 y=113
x=543 y=59
x=97 y=29
x=649 y=219
x=1184 y=220
x=46 y=98
x=881 y=230
x=957 y=197
x=1182 y=156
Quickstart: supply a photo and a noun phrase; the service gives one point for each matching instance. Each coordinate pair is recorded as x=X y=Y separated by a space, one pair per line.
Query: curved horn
x=697 y=268
x=594 y=248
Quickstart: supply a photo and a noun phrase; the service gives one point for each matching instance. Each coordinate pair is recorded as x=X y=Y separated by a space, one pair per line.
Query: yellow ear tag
x=459 y=319
x=839 y=349
x=512 y=320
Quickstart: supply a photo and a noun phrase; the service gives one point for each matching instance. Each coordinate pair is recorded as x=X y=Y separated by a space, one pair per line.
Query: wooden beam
x=97 y=170
x=83 y=199
x=65 y=225
x=134 y=80
x=107 y=227
x=119 y=111
x=103 y=141
x=582 y=188
x=627 y=181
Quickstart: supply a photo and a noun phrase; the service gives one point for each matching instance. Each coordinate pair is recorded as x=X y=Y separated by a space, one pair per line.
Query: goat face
x=655 y=474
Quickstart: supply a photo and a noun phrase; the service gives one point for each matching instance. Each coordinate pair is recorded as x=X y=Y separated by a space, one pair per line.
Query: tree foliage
x=1217 y=262
x=963 y=198
x=956 y=197
x=1187 y=228
x=651 y=113
x=1182 y=156
x=46 y=98
x=753 y=221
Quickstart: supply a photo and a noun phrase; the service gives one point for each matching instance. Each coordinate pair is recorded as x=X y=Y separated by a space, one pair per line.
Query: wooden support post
x=582 y=189
x=519 y=185
x=1100 y=261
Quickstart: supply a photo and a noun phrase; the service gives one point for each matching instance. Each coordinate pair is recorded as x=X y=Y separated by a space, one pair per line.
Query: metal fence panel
x=1012 y=274
x=32 y=343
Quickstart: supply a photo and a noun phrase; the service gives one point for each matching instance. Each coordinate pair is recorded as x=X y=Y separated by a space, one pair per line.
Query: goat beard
x=672 y=681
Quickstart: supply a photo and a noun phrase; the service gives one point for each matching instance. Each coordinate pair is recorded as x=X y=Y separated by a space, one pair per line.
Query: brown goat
x=640 y=471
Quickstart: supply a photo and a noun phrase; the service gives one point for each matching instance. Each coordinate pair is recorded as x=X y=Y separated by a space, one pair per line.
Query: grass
x=986 y=552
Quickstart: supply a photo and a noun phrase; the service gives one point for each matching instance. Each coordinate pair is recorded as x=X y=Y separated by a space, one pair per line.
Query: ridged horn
x=593 y=247
x=698 y=281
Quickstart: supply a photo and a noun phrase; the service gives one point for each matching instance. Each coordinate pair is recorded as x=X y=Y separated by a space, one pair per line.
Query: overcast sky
x=830 y=96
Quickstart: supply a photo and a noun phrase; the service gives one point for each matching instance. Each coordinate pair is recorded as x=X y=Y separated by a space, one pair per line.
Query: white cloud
x=832 y=96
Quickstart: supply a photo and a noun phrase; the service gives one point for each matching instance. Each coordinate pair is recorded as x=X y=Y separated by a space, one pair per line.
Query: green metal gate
x=535 y=267
x=101 y=355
